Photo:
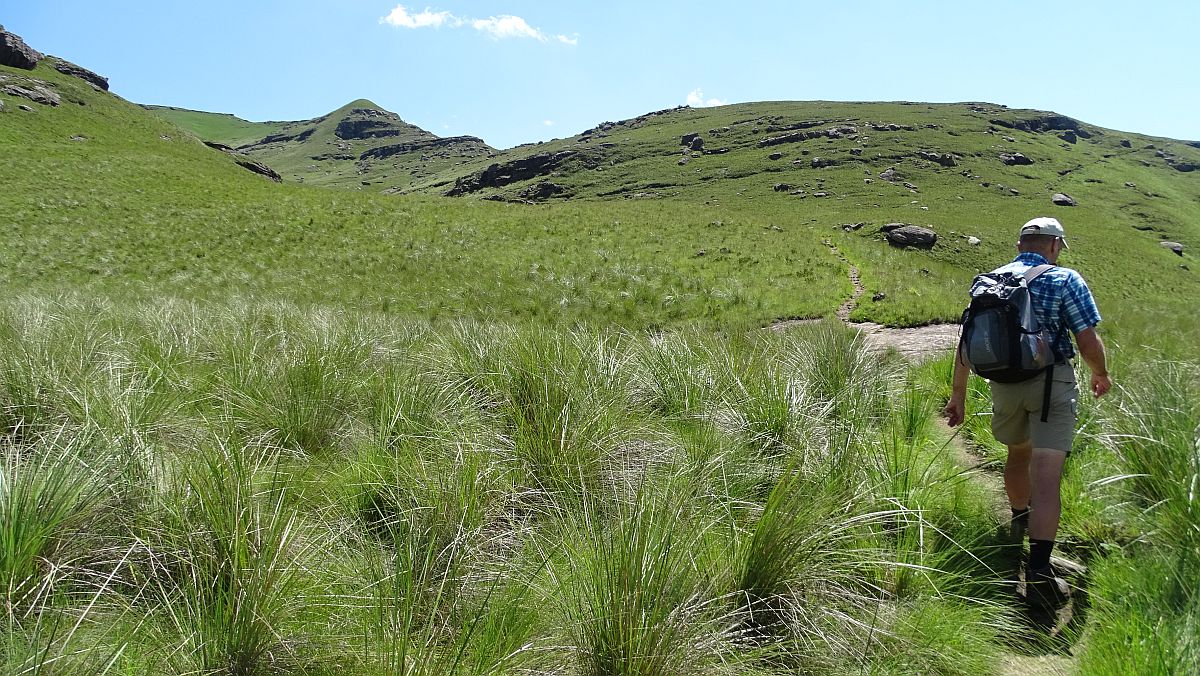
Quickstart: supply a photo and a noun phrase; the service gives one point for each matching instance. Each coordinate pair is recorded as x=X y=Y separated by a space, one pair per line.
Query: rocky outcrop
x=541 y=190
x=282 y=137
x=944 y=159
x=245 y=162
x=795 y=137
x=365 y=123
x=1014 y=159
x=68 y=68
x=37 y=92
x=1173 y=246
x=1046 y=122
x=15 y=53
x=915 y=236
x=450 y=142
x=502 y=174
x=1062 y=199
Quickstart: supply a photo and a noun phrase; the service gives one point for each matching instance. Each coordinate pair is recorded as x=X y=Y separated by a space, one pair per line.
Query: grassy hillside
x=139 y=207
x=218 y=127
x=260 y=428
x=354 y=147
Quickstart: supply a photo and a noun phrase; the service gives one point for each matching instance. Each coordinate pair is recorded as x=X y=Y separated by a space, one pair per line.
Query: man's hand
x=1100 y=385
x=955 y=411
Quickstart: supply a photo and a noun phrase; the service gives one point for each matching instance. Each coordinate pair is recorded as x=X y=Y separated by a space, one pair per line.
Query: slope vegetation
x=355 y=146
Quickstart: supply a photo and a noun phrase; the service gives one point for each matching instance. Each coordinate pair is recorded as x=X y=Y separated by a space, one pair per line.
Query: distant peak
x=362 y=103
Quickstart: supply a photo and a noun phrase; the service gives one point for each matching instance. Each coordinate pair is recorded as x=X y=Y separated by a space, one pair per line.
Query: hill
x=752 y=212
x=355 y=146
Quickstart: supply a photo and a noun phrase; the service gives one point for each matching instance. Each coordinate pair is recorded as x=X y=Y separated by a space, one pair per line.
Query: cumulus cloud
x=548 y=123
x=507 y=26
x=502 y=27
x=401 y=17
x=696 y=99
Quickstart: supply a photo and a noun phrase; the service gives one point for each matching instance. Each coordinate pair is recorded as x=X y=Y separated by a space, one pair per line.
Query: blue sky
x=516 y=71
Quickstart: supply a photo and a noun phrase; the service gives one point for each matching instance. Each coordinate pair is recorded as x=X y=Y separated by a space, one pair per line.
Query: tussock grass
x=269 y=489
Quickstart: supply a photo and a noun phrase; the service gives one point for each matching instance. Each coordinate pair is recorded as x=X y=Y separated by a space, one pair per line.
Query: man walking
x=1038 y=442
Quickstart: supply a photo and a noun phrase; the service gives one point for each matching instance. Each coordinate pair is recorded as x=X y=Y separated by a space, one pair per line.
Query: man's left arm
x=1082 y=316
x=1092 y=350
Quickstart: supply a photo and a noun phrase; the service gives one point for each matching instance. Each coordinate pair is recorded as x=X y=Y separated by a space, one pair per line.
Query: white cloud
x=548 y=123
x=507 y=26
x=400 y=17
x=497 y=27
x=696 y=99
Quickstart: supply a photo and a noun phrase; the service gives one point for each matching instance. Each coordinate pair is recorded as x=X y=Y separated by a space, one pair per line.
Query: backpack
x=1001 y=337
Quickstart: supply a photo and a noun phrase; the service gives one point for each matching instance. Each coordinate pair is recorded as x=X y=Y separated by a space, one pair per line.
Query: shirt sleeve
x=1079 y=310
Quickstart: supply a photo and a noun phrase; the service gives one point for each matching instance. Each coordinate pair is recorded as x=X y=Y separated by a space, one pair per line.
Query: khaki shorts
x=1017 y=411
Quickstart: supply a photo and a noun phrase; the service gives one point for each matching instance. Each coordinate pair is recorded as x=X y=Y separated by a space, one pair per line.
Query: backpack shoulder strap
x=1035 y=272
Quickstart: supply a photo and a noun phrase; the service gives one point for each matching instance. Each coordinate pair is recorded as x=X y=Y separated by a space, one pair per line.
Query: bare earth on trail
x=915 y=344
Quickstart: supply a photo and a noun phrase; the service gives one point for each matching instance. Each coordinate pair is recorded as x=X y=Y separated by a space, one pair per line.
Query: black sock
x=1039 y=553
x=1021 y=515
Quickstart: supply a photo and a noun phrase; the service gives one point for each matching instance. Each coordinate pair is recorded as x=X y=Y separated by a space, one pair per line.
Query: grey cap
x=1045 y=225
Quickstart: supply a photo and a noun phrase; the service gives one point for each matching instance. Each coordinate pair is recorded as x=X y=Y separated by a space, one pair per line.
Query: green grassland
x=141 y=208
x=334 y=150
x=276 y=428
x=218 y=127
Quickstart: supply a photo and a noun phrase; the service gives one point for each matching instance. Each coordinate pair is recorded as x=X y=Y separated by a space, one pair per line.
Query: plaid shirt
x=1060 y=299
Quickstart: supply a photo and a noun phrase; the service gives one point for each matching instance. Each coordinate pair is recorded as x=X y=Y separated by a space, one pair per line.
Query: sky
x=518 y=71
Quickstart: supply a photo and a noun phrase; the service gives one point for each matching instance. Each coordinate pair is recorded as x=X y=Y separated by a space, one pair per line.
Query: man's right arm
x=956 y=408
x=1091 y=348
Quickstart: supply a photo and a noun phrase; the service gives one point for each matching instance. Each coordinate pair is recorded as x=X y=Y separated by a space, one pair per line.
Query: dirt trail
x=916 y=343
x=1051 y=634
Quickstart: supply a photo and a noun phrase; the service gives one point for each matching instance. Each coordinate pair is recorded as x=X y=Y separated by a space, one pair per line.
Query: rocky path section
x=915 y=343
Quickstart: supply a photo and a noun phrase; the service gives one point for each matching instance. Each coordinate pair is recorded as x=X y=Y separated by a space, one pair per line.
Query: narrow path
x=846 y=308
x=915 y=343
x=1051 y=635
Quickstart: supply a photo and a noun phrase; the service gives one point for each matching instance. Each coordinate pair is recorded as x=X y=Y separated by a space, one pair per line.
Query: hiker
x=1038 y=435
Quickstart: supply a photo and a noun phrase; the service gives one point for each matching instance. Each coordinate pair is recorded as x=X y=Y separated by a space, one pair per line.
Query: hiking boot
x=1044 y=589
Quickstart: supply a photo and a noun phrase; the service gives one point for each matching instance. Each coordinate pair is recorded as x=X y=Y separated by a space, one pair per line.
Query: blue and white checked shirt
x=1060 y=298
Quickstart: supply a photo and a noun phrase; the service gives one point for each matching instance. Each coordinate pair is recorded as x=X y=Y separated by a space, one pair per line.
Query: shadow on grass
x=1040 y=630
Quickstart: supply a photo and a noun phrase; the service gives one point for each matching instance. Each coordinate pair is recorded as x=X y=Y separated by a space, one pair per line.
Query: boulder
x=973 y=241
x=37 y=94
x=944 y=159
x=818 y=162
x=1125 y=143
x=1130 y=184
x=910 y=186
x=541 y=191
x=912 y=236
x=1183 y=166
x=888 y=227
x=697 y=143
x=1173 y=246
x=1014 y=159
x=14 y=52
x=775 y=156
x=68 y=68
x=850 y=227
x=890 y=175
x=1062 y=199
x=688 y=138
x=1069 y=136
x=782 y=187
